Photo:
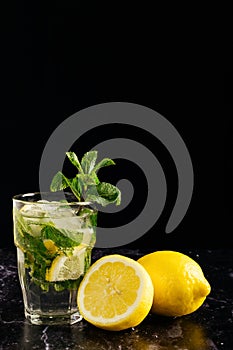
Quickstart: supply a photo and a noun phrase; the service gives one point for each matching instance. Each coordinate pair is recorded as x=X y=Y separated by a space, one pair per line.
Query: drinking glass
x=54 y=235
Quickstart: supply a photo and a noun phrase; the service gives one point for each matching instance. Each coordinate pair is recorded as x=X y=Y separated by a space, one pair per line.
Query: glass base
x=52 y=319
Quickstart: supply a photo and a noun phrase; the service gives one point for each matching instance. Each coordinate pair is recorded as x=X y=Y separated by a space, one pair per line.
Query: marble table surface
x=208 y=328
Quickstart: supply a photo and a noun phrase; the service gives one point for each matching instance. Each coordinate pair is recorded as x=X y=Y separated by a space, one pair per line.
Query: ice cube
x=32 y=210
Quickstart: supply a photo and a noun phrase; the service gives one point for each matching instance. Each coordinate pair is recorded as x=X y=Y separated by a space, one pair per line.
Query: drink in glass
x=54 y=235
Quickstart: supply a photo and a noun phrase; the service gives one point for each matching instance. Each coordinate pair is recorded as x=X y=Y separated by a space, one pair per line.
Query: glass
x=54 y=235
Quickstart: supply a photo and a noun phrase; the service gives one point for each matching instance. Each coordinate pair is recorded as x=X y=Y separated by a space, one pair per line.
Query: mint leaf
x=36 y=257
x=74 y=160
x=109 y=192
x=104 y=193
x=88 y=161
x=104 y=162
x=87 y=180
x=86 y=184
x=59 y=182
x=97 y=199
x=76 y=187
x=59 y=238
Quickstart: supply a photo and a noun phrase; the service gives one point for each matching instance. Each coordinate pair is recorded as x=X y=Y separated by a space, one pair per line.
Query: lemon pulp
x=65 y=267
x=116 y=293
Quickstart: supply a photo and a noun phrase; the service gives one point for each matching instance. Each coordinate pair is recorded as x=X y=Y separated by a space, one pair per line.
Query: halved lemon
x=116 y=293
x=67 y=267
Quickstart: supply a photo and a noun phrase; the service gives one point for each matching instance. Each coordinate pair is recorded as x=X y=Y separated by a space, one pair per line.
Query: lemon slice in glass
x=116 y=293
x=67 y=267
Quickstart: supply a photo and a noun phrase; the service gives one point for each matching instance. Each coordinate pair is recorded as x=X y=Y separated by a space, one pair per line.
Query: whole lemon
x=180 y=286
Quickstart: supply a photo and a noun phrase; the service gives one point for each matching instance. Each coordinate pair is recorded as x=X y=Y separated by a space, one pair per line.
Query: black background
x=60 y=57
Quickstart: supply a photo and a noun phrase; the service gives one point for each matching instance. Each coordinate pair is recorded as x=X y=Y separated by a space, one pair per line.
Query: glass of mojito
x=54 y=239
x=54 y=233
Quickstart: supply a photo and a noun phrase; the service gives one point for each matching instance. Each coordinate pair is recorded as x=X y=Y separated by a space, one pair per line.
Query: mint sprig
x=86 y=185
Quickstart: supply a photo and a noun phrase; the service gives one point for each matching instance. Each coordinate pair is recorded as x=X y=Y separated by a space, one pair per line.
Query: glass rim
x=20 y=198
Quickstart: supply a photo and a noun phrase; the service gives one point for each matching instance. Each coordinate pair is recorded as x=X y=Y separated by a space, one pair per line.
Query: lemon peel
x=180 y=286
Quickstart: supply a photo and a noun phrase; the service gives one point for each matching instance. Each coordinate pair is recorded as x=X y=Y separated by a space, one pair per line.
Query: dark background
x=63 y=56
